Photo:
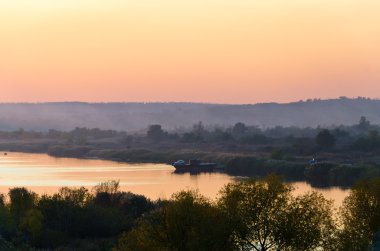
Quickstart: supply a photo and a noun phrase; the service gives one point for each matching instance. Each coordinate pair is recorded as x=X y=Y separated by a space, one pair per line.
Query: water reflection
x=44 y=174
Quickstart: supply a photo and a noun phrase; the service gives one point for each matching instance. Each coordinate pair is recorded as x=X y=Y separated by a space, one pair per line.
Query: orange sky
x=223 y=51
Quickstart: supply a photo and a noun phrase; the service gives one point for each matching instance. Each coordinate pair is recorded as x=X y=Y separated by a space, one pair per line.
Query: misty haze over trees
x=337 y=155
x=138 y=116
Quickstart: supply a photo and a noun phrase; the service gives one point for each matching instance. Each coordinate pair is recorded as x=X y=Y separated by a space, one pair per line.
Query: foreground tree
x=361 y=216
x=187 y=222
x=22 y=200
x=265 y=216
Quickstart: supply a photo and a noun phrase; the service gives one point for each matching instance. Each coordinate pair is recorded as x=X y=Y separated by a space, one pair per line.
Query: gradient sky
x=223 y=51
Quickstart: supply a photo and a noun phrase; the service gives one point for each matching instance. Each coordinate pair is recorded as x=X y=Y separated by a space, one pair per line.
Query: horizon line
x=189 y=102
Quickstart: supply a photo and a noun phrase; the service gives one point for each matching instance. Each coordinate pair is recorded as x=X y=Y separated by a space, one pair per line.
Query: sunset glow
x=223 y=51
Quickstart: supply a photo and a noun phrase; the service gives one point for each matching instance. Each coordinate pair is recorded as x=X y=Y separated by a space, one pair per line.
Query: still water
x=45 y=174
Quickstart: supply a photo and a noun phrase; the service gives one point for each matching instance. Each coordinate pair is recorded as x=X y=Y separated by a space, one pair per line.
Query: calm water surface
x=44 y=174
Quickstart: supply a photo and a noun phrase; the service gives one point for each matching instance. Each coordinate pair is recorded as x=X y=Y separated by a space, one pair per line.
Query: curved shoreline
x=230 y=163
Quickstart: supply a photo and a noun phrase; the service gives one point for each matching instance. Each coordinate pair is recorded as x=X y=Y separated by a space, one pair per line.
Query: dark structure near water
x=194 y=166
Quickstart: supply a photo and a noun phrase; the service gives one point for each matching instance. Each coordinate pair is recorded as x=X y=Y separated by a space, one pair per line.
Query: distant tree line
x=361 y=137
x=337 y=155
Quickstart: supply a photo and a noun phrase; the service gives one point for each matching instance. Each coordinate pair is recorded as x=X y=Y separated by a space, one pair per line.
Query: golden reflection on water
x=45 y=174
x=333 y=193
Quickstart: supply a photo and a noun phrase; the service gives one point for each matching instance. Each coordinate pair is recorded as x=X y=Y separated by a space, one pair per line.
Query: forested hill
x=136 y=116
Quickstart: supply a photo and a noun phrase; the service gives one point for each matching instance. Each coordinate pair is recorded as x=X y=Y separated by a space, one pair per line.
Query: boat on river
x=194 y=166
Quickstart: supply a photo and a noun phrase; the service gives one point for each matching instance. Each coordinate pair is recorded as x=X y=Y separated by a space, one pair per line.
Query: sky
x=214 y=51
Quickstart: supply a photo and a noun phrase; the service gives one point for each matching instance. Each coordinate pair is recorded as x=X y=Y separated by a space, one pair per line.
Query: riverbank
x=251 y=164
x=320 y=174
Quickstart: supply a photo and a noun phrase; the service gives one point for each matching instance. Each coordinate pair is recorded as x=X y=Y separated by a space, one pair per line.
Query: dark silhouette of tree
x=239 y=129
x=22 y=200
x=325 y=139
x=199 y=127
x=110 y=187
x=155 y=132
x=364 y=124
x=199 y=130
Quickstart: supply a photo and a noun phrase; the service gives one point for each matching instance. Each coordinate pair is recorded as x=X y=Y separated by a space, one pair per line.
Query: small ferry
x=194 y=165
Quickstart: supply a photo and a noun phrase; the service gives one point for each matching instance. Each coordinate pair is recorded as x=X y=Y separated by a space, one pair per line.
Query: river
x=44 y=174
